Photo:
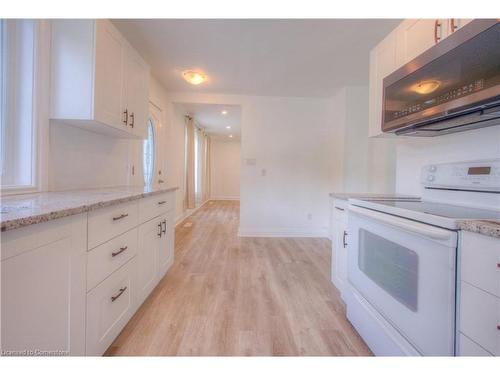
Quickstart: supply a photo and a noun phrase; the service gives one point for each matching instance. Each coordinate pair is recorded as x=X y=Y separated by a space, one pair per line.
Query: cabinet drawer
x=109 y=307
x=480 y=259
x=108 y=257
x=107 y=223
x=469 y=348
x=480 y=317
x=154 y=206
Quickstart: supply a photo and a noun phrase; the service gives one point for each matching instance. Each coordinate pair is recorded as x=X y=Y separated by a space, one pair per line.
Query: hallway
x=226 y=295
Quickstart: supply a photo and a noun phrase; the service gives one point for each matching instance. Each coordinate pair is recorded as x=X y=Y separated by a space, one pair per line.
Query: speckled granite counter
x=26 y=209
x=487 y=227
x=371 y=196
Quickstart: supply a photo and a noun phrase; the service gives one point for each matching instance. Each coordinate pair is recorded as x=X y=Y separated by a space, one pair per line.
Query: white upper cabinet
x=99 y=82
x=382 y=63
x=136 y=92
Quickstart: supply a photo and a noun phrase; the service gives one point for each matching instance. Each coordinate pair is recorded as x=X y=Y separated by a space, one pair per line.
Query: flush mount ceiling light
x=426 y=87
x=193 y=77
x=228 y=127
x=224 y=112
x=230 y=136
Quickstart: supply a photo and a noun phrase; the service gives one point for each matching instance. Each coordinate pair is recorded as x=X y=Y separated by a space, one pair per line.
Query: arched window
x=149 y=155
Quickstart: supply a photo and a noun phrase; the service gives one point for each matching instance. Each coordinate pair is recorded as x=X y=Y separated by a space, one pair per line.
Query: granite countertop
x=26 y=209
x=372 y=196
x=487 y=227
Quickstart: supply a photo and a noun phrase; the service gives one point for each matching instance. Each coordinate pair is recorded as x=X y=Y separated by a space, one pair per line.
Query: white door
x=406 y=271
x=160 y=133
x=147 y=258
x=109 y=104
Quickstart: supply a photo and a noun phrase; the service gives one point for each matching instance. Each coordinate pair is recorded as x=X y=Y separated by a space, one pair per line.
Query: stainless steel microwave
x=451 y=87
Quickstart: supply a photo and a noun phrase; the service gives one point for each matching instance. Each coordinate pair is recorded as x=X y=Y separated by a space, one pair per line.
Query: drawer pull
x=164 y=230
x=159 y=229
x=498 y=327
x=114 y=298
x=120 y=217
x=338 y=208
x=122 y=249
x=162 y=202
x=498 y=265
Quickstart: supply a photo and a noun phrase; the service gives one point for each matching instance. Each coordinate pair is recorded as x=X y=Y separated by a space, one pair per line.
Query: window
x=149 y=154
x=17 y=83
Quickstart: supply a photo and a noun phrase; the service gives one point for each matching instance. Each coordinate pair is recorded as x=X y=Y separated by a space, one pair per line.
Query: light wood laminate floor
x=226 y=295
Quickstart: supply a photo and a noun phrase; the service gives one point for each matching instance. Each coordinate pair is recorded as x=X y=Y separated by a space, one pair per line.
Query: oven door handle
x=404 y=224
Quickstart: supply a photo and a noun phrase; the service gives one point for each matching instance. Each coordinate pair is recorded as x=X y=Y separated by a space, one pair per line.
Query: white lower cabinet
x=109 y=307
x=43 y=288
x=339 y=244
x=479 y=295
x=69 y=286
x=147 y=257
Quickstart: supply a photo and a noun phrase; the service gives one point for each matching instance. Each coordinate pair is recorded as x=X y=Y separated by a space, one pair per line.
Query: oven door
x=406 y=272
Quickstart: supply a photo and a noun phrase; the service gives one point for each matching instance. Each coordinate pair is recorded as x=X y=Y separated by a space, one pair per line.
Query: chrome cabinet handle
x=114 y=298
x=343 y=239
x=159 y=230
x=125 y=120
x=120 y=217
x=133 y=119
x=122 y=249
x=338 y=208
x=437 y=25
x=164 y=230
x=162 y=202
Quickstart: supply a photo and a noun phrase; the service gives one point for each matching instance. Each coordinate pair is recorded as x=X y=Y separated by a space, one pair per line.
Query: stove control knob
x=430 y=178
x=432 y=168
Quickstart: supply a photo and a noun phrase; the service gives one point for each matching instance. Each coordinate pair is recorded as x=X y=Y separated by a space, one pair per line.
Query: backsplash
x=80 y=159
x=413 y=153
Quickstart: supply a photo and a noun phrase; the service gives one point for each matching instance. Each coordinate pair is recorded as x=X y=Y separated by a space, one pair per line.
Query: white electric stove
x=402 y=258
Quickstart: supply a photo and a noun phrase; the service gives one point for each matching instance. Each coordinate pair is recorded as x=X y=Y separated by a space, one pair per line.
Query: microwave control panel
x=481 y=175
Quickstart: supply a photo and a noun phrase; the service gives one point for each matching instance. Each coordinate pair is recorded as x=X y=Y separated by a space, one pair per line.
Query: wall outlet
x=309 y=216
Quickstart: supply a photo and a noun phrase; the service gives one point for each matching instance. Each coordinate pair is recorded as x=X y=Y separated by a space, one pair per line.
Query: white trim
x=225 y=198
x=189 y=212
x=283 y=232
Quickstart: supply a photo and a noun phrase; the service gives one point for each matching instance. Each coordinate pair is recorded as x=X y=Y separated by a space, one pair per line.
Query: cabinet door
x=43 y=290
x=136 y=91
x=147 y=258
x=339 y=258
x=382 y=63
x=166 y=249
x=108 y=81
x=416 y=36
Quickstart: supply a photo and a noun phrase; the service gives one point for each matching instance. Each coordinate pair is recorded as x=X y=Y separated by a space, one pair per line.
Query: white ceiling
x=210 y=117
x=259 y=57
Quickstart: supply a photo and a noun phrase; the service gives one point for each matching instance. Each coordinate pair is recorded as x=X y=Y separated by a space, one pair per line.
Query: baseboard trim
x=189 y=213
x=283 y=232
x=225 y=198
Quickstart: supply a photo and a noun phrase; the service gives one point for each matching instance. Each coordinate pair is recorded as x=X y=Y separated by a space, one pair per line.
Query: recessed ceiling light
x=228 y=127
x=224 y=112
x=193 y=77
x=230 y=136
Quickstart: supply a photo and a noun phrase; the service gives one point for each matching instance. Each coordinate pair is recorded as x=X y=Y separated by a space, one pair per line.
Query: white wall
x=413 y=153
x=359 y=164
x=225 y=161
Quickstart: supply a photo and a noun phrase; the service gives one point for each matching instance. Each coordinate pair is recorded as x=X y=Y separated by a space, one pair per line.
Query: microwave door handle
x=407 y=225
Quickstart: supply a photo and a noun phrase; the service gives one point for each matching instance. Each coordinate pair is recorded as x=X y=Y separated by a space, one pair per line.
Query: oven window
x=392 y=267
